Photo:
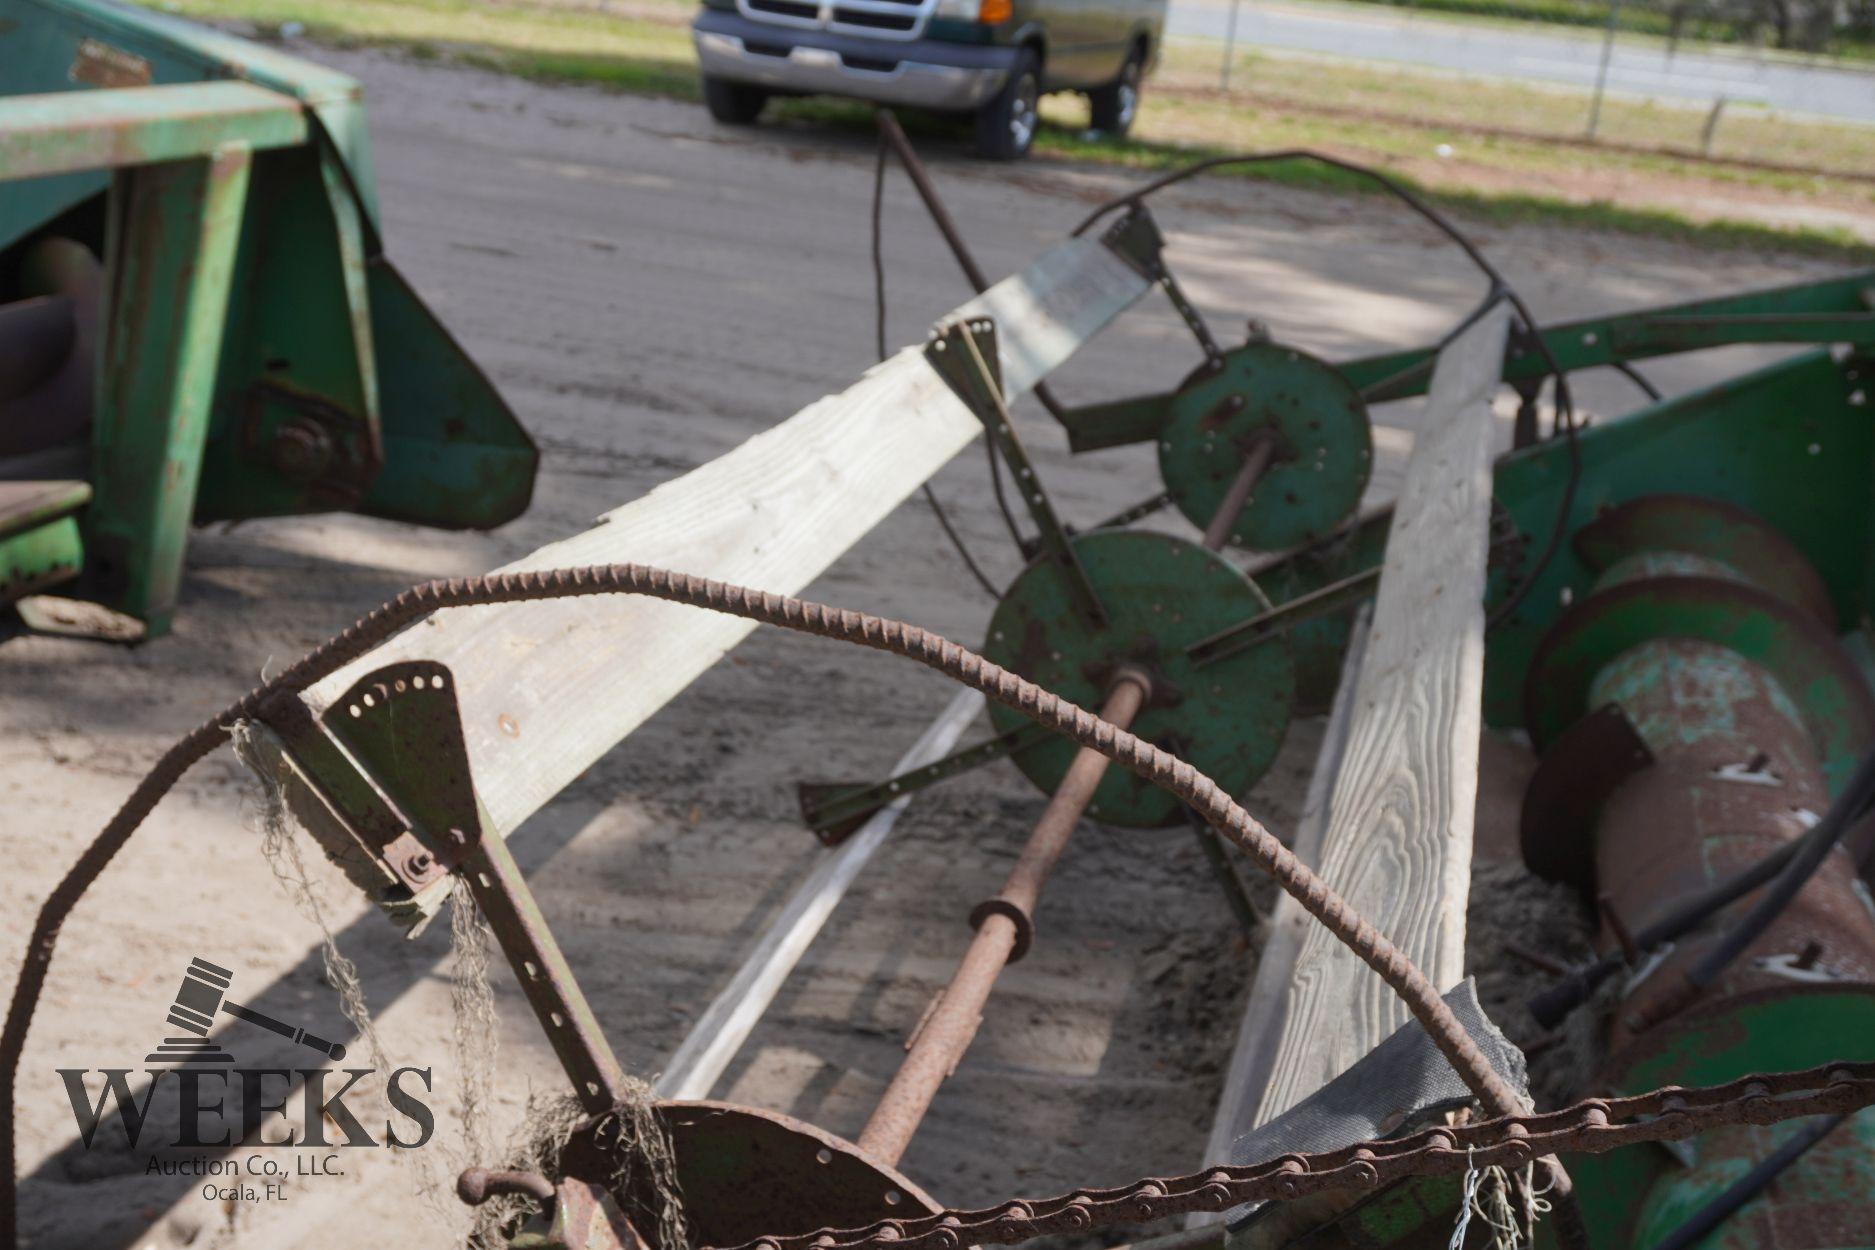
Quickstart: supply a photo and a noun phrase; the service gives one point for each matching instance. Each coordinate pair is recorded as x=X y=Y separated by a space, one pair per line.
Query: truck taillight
x=993 y=12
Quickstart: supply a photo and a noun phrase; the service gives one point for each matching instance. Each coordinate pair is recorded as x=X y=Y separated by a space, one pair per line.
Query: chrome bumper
x=919 y=74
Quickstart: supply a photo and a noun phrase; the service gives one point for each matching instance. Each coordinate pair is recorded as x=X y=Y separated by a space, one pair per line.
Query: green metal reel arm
x=1831 y=311
x=1836 y=310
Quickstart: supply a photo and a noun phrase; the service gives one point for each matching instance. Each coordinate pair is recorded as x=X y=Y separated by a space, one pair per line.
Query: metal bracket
x=963 y=352
x=390 y=759
x=1135 y=239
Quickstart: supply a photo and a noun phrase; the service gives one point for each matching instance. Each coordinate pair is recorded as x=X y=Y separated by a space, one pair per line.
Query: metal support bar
x=1283 y=617
x=1002 y=936
x=171 y=245
x=946 y=225
x=963 y=352
x=505 y=899
x=66 y=132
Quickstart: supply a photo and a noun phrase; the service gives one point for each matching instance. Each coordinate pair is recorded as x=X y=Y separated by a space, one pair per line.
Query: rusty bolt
x=301 y=449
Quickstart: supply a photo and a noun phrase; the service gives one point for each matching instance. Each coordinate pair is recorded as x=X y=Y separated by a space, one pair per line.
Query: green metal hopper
x=197 y=319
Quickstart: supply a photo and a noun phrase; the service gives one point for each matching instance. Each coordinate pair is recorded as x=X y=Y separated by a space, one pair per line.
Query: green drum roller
x=1161 y=595
x=1319 y=446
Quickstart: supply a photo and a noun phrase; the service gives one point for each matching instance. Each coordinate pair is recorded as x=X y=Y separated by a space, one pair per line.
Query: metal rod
x=721 y=1030
x=1601 y=73
x=1256 y=460
x=927 y=191
x=1230 y=48
x=952 y=1022
x=914 y=167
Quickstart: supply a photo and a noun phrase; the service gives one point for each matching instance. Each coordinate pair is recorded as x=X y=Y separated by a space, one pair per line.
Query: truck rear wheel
x=1006 y=125
x=1115 y=105
x=733 y=103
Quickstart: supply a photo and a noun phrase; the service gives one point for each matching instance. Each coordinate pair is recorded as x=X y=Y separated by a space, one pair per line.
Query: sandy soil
x=649 y=291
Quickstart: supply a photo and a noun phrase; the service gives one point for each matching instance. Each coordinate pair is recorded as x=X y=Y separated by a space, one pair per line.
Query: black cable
x=1564 y=424
x=878 y=303
x=1553 y=1005
x=1850 y=806
x=1639 y=379
x=1743 y=1190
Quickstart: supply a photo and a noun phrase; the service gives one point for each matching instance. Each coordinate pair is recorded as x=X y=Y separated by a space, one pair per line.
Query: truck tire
x=1006 y=125
x=1115 y=105
x=733 y=103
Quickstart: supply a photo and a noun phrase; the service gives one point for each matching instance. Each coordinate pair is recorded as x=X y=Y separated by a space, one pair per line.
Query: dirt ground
x=649 y=291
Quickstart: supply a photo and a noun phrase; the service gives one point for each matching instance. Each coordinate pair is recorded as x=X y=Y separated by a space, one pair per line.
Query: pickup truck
x=993 y=59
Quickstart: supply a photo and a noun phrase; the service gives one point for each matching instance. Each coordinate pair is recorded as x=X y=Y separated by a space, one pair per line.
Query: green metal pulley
x=1324 y=447
x=1160 y=594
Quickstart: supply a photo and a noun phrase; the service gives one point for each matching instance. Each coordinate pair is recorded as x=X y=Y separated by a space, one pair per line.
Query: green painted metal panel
x=1789 y=442
x=37 y=558
x=42 y=47
x=454 y=456
x=70 y=131
x=316 y=316
x=174 y=228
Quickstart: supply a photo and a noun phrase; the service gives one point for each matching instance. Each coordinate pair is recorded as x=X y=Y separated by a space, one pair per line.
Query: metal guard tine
x=835 y=810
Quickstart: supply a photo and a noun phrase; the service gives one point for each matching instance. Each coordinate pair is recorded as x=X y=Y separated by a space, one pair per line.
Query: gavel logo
x=203 y=989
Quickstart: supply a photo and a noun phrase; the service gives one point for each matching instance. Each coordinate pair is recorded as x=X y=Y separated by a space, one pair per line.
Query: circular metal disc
x=1325 y=453
x=1161 y=594
x=746 y=1173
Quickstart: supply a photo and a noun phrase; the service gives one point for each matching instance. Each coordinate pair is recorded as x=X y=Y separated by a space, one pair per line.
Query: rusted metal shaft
x=1003 y=930
x=1256 y=460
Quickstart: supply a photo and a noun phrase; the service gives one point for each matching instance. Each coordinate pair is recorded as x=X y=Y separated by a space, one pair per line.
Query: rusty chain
x=1589 y=1127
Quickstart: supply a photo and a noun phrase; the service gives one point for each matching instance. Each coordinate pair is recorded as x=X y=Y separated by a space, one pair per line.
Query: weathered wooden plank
x=1254 y=1052
x=719 y=1032
x=1398 y=841
x=547 y=688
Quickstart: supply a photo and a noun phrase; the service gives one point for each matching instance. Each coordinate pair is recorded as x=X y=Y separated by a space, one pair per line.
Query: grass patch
x=1629 y=126
x=650 y=53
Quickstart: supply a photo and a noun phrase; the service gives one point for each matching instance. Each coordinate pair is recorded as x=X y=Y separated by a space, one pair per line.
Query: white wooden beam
x=719 y=1032
x=1398 y=840
x=546 y=688
x=1264 y=1012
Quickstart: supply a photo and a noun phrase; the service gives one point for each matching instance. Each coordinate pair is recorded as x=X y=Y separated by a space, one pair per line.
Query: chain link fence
x=1783 y=85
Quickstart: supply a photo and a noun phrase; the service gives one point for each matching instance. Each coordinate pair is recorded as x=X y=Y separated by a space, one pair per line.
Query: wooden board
x=695 y=1066
x=1264 y=1012
x=547 y=688
x=1398 y=841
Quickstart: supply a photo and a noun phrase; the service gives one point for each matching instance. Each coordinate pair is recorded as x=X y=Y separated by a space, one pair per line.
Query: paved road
x=1636 y=67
